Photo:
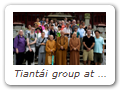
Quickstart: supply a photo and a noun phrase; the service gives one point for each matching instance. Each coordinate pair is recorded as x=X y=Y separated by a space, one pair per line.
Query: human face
x=52 y=27
x=21 y=33
x=74 y=35
x=62 y=33
x=32 y=30
x=76 y=29
x=51 y=37
x=59 y=28
x=88 y=32
x=51 y=21
x=46 y=20
x=97 y=34
x=43 y=34
x=38 y=20
x=81 y=26
x=29 y=26
x=83 y=23
x=38 y=30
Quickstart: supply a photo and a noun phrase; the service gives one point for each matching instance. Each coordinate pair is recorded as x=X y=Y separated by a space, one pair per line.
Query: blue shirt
x=81 y=31
x=41 y=22
x=98 y=47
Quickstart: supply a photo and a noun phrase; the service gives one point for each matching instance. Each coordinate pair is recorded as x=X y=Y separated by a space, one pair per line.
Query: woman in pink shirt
x=43 y=27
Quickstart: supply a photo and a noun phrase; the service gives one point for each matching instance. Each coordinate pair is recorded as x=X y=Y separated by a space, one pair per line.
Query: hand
x=51 y=50
x=88 y=49
x=42 y=43
x=17 y=51
x=30 y=49
x=74 y=48
x=61 y=47
x=103 y=51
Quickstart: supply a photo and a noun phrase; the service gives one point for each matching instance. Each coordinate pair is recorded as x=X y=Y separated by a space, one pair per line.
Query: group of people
x=50 y=41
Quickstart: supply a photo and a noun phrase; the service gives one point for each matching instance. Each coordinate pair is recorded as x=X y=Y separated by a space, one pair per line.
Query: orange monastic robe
x=50 y=45
x=61 y=54
x=74 y=54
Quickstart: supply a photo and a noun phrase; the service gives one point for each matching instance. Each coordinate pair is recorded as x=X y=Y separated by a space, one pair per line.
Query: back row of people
x=58 y=48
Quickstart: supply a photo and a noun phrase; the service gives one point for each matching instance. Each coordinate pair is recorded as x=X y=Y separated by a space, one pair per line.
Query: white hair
x=19 y=31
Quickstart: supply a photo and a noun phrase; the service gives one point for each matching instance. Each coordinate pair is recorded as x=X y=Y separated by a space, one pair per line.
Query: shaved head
x=51 y=37
x=62 y=33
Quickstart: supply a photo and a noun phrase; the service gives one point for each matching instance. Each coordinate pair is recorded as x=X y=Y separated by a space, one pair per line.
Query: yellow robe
x=50 y=45
x=74 y=54
x=61 y=54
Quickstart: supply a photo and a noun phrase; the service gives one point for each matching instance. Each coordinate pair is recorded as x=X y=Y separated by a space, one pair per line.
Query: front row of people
x=93 y=48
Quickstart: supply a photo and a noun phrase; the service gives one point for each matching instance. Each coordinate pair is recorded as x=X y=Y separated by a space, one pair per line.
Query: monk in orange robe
x=74 y=50
x=62 y=45
x=50 y=49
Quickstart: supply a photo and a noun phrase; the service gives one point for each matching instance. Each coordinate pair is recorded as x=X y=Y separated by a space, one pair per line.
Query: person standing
x=50 y=49
x=65 y=20
x=76 y=30
x=89 y=28
x=43 y=20
x=81 y=32
x=28 y=31
x=47 y=21
x=38 y=34
x=74 y=50
x=58 y=32
x=59 y=23
x=62 y=45
x=78 y=23
x=73 y=25
x=52 y=23
x=67 y=30
x=98 y=48
x=41 y=42
x=62 y=26
x=46 y=31
x=30 y=49
x=19 y=47
x=88 y=42
x=52 y=32
x=37 y=22
x=84 y=26
x=56 y=26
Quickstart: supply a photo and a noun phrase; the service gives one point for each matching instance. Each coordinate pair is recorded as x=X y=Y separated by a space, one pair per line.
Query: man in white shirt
x=67 y=30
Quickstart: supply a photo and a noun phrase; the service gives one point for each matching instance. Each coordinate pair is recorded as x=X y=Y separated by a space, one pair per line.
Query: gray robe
x=41 y=53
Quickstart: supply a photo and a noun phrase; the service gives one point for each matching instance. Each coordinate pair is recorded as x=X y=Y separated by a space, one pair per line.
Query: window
x=102 y=19
x=33 y=17
x=19 y=19
x=16 y=17
x=23 y=18
x=29 y=17
x=105 y=18
x=95 y=18
x=98 y=19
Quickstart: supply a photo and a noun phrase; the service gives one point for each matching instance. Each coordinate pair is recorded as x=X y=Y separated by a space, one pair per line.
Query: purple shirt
x=19 y=43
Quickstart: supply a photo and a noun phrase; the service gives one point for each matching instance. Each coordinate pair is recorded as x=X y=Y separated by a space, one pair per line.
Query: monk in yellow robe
x=50 y=49
x=62 y=45
x=74 y=44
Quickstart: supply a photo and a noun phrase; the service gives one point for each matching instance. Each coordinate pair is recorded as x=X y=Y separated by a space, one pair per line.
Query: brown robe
x=61 y=54
x=74 y=54
x=50 y=45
